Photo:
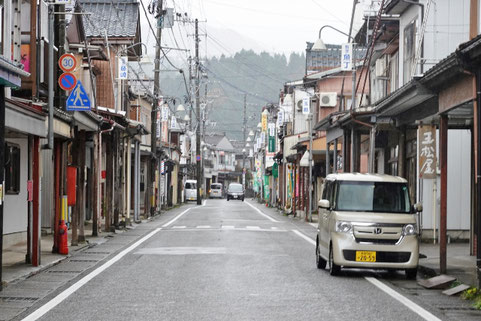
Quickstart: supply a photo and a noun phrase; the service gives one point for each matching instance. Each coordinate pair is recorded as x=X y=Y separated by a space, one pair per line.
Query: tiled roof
x=118 y=17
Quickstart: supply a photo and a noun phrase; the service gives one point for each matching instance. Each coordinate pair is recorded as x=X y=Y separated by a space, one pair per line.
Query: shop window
x=409 y=42
x=12 y=169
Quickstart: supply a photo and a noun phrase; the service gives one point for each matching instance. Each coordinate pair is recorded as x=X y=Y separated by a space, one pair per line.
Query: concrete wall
x=15 y=209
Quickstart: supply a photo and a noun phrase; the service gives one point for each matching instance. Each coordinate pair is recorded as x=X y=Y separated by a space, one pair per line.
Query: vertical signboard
x=306 y=106
x=427 y=151
x=264 y=122
x=272 y=138
x=157 y=128
x=346 y=57
x=280 y=118
x=123 y=69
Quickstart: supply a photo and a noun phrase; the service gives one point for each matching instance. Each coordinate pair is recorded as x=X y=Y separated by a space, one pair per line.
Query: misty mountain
x=258 y=76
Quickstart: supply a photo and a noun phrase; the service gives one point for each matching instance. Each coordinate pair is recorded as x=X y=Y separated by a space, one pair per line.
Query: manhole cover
x=17 y=298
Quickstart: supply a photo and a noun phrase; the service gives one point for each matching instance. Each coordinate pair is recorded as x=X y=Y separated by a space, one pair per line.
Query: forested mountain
x=258 y=76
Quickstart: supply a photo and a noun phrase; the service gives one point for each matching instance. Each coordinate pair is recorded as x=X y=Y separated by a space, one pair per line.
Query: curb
x=37 y=271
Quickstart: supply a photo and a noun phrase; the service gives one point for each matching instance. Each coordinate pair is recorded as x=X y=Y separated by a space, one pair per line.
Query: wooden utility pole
x=94 y=189
x=153 y=117
x=197 y=111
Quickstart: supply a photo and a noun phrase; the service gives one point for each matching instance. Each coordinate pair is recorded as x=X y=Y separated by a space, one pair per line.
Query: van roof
x=366 y=177
x=215 y=184
x=191 y=181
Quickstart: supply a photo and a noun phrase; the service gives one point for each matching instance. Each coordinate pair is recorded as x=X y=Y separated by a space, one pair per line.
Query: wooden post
x=75 y=151
x=81 y=186
x=117 y=192
x=109 y=182
x=443 y=157
x=57 y=195
x=36 y=203
x=94 y=190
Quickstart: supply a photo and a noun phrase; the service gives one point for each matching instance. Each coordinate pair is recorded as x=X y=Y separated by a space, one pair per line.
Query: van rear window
x=215 y=186
x=189 y=185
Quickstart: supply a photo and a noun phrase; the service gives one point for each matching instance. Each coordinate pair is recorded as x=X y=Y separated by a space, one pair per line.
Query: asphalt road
x=221 y=261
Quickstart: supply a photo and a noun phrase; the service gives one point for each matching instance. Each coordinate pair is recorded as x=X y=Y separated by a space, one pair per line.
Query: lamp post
x=319 y=45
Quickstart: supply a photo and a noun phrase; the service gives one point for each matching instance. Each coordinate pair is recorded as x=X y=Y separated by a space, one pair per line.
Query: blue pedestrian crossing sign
x=78 y=99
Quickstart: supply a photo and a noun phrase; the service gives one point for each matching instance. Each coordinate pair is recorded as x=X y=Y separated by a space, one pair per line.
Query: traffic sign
x=78 y=99
x=67 y=62
x=67 y=81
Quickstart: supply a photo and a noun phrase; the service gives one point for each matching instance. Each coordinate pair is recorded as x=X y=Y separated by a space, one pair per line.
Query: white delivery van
x=190 y=190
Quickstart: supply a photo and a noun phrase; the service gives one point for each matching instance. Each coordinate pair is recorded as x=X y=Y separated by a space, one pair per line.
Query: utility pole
x=153 y=117
x=197 y=110
x=244 y=128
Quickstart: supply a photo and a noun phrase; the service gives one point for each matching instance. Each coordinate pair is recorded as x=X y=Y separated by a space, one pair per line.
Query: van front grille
x=377 y=241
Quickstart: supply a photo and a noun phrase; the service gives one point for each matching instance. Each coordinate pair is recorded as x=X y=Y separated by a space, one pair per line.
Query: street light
x=251 y=133
x=180 y=108
x=319 y=44
x=248 y=139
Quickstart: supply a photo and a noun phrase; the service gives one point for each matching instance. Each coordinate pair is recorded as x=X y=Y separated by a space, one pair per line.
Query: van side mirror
x=324 y=204
x=418 y=207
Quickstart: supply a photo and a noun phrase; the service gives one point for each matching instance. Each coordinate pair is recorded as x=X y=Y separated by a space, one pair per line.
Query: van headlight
x=343 y=227
x=409 y=229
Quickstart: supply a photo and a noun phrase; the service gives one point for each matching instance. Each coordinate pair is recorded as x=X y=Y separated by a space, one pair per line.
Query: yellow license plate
x=365 y=256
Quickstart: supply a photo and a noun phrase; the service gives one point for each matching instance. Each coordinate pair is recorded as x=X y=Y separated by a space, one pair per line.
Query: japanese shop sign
x=123 y=70
x=427 y=152
x=346 y=56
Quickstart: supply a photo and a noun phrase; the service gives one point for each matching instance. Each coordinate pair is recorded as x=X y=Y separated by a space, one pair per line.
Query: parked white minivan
x=190 y=190
x=367 y=221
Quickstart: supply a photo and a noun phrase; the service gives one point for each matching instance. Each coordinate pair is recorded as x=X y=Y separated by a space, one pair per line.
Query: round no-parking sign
x=67 y=81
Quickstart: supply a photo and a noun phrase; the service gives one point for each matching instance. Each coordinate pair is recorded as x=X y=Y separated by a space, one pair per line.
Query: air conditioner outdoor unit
x=328 y=99
x=381 y=67
x=299 y=105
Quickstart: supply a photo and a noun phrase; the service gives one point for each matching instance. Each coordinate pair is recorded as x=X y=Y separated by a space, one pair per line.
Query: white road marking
x=305 y=237
x=179 y=226
x=72 y=289
x=260 y=212
x=180 y=215
x=181 y=250
x=253 y=227
x=313 y=224
x=229 y=227
x=203 y=226
x=408 y=303
x=274 y=228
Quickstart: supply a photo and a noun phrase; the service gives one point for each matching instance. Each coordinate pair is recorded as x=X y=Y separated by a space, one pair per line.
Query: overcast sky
x=280 y=26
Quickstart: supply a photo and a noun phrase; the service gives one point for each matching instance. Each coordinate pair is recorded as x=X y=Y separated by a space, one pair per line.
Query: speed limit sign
x=67 y=62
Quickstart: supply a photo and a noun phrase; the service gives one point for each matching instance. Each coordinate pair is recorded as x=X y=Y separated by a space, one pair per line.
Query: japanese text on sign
x=346 y=57
x=123 y=69
x=427 y=152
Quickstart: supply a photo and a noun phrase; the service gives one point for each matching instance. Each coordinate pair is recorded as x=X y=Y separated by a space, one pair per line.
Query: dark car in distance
x=235 y=192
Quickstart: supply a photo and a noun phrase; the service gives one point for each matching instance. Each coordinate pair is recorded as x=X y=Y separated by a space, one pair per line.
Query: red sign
x=67 y=81
x=67 y=62
x=104 y=174
x=30 y=191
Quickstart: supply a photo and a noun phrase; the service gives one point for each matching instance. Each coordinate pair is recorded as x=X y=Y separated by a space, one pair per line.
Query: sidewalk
x=460 y=264
x=14 y=267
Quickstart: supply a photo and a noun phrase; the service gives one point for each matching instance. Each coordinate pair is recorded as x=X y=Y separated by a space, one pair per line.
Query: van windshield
x=189 y=185
x=373 y=197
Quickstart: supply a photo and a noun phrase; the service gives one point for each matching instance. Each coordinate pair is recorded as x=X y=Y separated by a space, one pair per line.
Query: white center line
x=260 y=212
x=253 y=227
x=72 y=289
x=408 y=303
x=179 y=226
x=228 y=226
x=203 y=226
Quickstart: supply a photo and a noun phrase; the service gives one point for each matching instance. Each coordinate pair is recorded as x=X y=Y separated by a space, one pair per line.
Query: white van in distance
x=190 y=190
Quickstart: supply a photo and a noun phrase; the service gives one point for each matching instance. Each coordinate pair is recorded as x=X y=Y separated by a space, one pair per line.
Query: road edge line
x=41 y=311
x=425 y=314
x=261 y=213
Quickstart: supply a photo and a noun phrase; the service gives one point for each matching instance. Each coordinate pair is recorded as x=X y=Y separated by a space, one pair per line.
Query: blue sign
x=78 y=99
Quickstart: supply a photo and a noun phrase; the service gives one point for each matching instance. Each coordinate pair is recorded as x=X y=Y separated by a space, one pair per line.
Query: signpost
x=78 y=99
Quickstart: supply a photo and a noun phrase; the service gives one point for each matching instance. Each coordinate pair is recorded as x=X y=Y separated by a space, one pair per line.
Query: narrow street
x=220 y=261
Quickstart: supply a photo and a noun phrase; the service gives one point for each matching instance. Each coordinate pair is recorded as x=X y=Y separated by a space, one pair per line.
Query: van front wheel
x=411 y=273
x=320 y=262
x=334 y=269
